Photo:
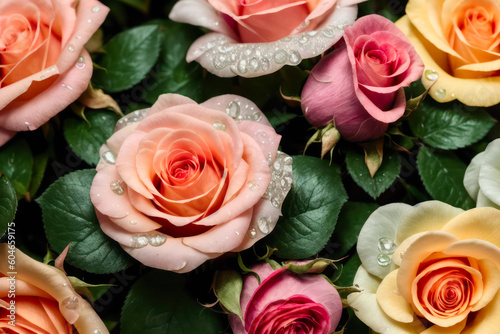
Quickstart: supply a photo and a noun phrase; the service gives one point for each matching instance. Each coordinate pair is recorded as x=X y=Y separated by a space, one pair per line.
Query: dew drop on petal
x=253 y=185
x=80 y=63
x=233 y=109
x=386 y=245
x=96 y=9
x=116 y=187
x=157 y=240
x=383 y=260
x=139 y=241
x=133 y=222
x=109 y=157
x=280 y=57
x=265 y=224
x=252 y=233
x=440 y=93
x=71 y=303
x=71 y=48
x=431 y=75
x=218 y=125
x=97 y=331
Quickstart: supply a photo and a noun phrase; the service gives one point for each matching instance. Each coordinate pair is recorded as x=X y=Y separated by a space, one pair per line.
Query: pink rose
x=44 y=66
x=286 y=302
x=183 y=183
x=253 y=38
x=359 y=86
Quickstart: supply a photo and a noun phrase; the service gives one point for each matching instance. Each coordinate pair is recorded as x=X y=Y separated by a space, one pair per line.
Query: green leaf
x=442 y=174
x=69 y=217
x=8 y=204
x=16 y=162
x=446 y=127
x=129 y=56
x=349 y=271
x=228 y=286
x=142 y=5
x=39 y=166
x=160 y=303
x=278 y=118
x=173 y=74
x=383 y=178
x=86 y=139
x=310 y=210
x=351 y=219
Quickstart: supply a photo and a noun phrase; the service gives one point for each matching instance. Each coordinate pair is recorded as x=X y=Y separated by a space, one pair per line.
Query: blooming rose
x=190 y=181
x=482 y=177
x=43 y=64
x=40 y=299
x=253 y=38
x=286 y=302
x=432 y=268
x=459 y=42
x=359 y=86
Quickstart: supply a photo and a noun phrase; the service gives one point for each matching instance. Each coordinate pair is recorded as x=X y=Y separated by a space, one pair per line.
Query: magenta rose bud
x=286 y=302
x=359 y=86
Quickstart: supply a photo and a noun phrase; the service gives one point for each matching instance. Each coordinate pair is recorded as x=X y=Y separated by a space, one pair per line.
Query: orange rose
x=40 y=299
x=430 y=269
x=459 y=42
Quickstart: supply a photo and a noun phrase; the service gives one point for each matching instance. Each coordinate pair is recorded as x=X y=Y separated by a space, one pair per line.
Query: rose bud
x=359 y=86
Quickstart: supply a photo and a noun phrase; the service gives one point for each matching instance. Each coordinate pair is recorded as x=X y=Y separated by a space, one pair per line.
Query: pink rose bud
x=44 y=65
x=286 y=302
x=359 y=86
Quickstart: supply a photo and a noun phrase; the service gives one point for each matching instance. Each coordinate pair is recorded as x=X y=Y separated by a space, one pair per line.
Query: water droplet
x=242 y=66
x=89 y=21
x=109 y=157
x=66 y=86
x=295 y=57
x=42 y=77
x=95 y=9
x=116 y=187
x=80 y=63
x=139 y=241
x=97 y=331
x=440 y=93
x=329 y=32
x=265 y=64
x=65 y=284
x=253 y=185
x=431 y=74
x=182 y=265
x=219 y=126
x=71 y=303
x=28 y=124
x=78 y=37
x=386 y=245
x=252 y=233
x=256 y=117
x=233 y=109
x=265 y=224
x=133 y=222
x=280 y=56
x=383 y=260
x=402 y=254
x=254 y=64
x=236 y=232
x=71 y=48
x=157 y=240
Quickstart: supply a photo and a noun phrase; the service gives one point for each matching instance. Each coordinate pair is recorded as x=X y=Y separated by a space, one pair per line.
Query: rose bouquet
x=212 y=166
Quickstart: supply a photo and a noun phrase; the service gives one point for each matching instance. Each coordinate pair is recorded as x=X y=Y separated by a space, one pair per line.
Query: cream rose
x=459 y=42
x=182 y=183
x=41 y=300
x=428 y=269
x=482 y=177
x=43 y=63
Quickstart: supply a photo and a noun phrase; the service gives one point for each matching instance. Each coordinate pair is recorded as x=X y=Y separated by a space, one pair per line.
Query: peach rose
x=459 y=42
x=40 y=299
x=183 y=183
x=43 y=64
x=432 y=268
x=253 y=38
x=482 y=177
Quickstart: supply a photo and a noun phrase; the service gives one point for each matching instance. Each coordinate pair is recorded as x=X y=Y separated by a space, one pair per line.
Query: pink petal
x=265 y=136
x=165 y=101
x=5 y=135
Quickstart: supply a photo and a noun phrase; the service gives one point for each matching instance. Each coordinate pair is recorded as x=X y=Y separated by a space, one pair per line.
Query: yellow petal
x=491 y=281
x=455 y=329
x=427 y=216
x=478 y=223
x=481 y=92
x=487 y=320
x=391 y=301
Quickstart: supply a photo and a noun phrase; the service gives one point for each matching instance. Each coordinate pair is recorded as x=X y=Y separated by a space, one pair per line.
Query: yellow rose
x=429 y=269
x=38 y=298
x=459 y=43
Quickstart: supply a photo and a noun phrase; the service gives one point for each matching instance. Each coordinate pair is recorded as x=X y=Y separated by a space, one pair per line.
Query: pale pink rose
x=286 y=302
x=253 y=38
x=41 y=300
x=359 y=86
x=44 y=66
x=191 y=182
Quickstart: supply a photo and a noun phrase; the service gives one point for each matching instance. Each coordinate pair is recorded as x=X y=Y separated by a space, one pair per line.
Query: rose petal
x=489 y=175
x=487 y=319
x=471 y=177
x=5 y=135
x=391 y=302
